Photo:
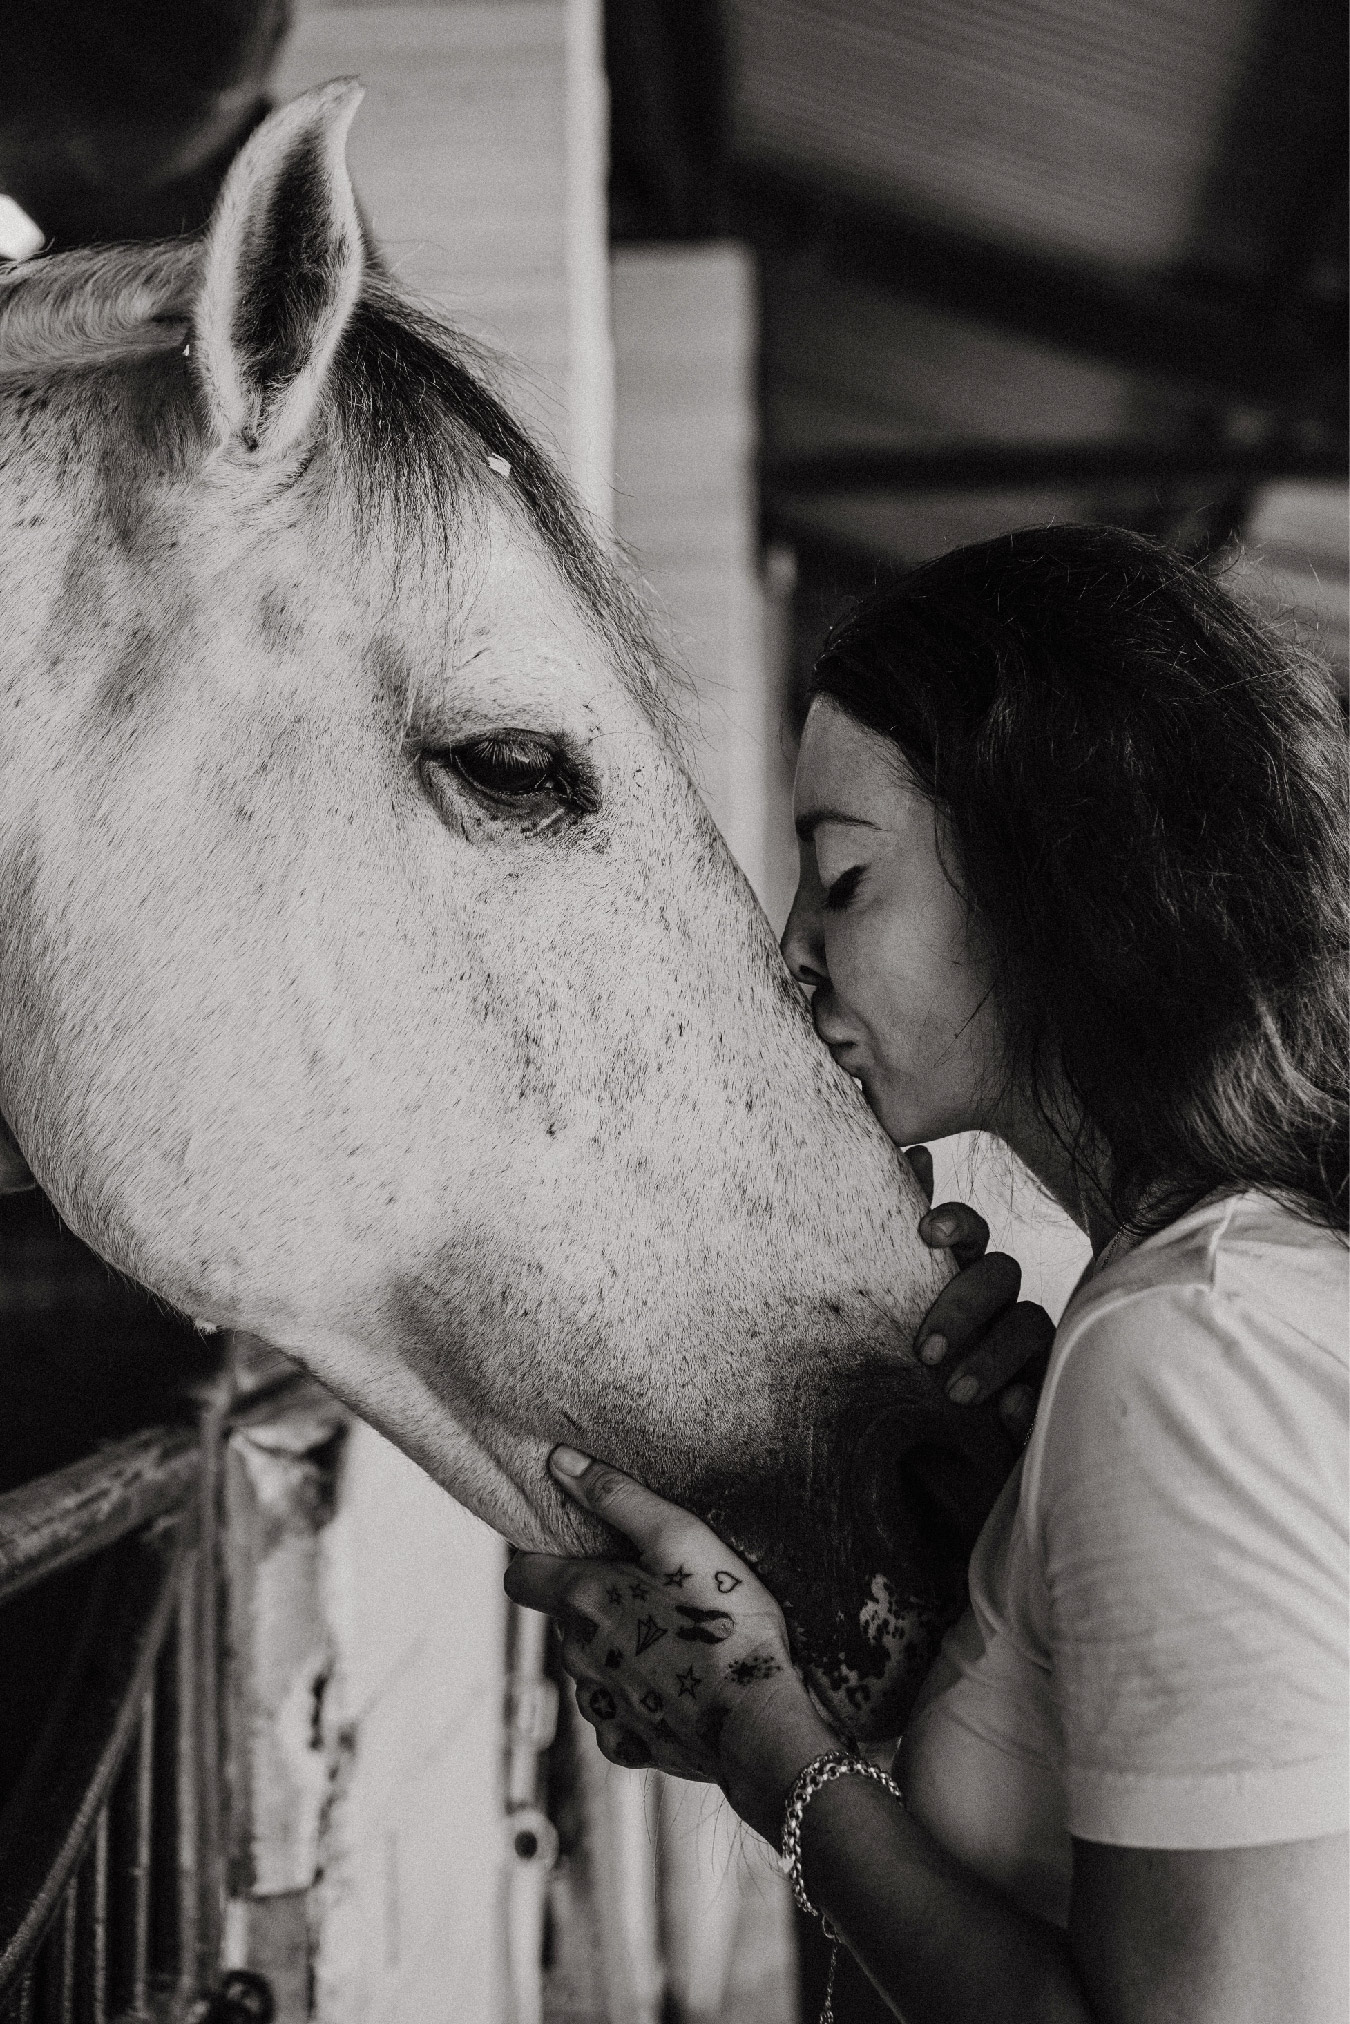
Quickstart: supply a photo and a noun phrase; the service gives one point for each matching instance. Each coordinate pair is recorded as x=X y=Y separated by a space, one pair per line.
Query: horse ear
x=284 y=260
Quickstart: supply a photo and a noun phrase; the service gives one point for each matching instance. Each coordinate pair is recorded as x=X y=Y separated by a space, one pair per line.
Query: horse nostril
x=925 y=1481
x=943 y=1494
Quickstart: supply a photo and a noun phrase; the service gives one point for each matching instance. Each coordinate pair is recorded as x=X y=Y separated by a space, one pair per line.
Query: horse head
x=373 y=978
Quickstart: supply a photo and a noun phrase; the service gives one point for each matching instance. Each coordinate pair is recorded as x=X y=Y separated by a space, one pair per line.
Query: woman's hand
x=680 y=1657
x=983 y=1337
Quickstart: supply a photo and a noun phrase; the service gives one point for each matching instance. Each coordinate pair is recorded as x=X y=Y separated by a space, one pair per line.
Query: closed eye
x=845 y=886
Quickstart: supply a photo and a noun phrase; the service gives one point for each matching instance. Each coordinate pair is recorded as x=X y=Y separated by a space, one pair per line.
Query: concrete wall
x=685 y=508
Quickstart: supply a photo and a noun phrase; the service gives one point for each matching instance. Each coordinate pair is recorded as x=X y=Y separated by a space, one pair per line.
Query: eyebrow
x=807 y=825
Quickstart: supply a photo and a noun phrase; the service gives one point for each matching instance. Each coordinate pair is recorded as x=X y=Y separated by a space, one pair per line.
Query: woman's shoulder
x=1243 y=1255
x=1219 y=1346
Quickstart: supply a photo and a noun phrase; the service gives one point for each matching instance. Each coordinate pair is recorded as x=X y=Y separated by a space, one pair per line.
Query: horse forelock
x=410 y=409
x=95 y=306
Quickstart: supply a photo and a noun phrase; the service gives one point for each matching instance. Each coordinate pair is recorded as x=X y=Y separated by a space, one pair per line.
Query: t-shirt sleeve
x=1188 y=1508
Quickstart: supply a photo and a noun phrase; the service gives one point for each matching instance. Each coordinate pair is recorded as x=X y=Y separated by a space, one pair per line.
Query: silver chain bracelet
x=821 y=1771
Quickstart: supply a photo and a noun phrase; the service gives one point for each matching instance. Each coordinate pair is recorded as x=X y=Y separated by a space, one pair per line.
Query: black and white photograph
x=674 y=1012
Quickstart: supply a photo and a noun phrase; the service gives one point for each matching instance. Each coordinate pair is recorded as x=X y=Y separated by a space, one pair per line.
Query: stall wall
x=685 y=508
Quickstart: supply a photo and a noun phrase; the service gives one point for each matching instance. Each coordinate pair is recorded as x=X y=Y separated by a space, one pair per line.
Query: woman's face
x=900 y=986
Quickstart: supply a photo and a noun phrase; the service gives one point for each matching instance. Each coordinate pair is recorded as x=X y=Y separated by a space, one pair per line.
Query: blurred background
x=800 y=292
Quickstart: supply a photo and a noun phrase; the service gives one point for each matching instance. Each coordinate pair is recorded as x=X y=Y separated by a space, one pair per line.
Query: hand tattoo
x=601 y=1704
x=724 y=1582
x=638 y=1591
x=613 y=1657
x=652 y=1701
x=705 y=1626
x=746 y=1671
x=649 y=1632
x=631 y=1750
x=690 y=1681
x=614 y=1593
x=677 y=1577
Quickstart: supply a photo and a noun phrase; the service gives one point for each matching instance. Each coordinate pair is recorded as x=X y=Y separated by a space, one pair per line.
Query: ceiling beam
x=1256 y=349
x=1004 y=466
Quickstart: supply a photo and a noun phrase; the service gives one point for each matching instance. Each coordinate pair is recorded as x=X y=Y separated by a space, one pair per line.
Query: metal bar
x=98 y=1922
x=44 y=1836
x=144 y=1820
x=69 y=1908
x=185 y=1776
x=65 y=1517
x=1004 y=466
x=210 y=1852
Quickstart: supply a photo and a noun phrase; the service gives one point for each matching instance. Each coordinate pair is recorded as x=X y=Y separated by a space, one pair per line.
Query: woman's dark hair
x=1146 y=791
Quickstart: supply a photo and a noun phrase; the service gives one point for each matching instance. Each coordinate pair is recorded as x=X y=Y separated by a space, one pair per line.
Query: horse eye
x=507 y=765
x=523 y=773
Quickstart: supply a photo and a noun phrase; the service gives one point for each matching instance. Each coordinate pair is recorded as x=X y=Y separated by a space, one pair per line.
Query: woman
x=1072 y=872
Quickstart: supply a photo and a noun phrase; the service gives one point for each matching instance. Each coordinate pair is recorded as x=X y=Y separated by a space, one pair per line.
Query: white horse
x=371 y=976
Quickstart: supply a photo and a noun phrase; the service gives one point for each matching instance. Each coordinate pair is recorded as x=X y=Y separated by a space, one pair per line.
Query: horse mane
x=409 y=401
x=95 y=306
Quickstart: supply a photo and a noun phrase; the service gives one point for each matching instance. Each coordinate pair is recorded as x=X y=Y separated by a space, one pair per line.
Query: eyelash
x=843 y=889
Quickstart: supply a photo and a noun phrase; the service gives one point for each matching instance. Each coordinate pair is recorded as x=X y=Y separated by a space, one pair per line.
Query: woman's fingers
x=967 y=1305
x=655 y=1526
x=921 y=1165
x=1017 y=1409
x=955 y=1227
x=1017 y=1345
x=544 y=1581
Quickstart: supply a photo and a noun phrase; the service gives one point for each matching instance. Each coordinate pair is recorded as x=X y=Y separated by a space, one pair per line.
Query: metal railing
x=110 y=1836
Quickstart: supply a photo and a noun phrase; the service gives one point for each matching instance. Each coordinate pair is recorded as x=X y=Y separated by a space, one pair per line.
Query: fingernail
x=569 y=1462
x=962 y=1391
x=933 y=1348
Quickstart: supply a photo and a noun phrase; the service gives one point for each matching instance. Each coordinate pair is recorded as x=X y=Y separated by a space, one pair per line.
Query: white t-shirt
x=1155 y=1654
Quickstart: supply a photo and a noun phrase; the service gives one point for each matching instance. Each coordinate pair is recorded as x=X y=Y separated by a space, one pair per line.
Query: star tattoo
x=614 y=1593
x=689 y=1682
x=638 y=1590
x=677 y=1577
x=649 y=1632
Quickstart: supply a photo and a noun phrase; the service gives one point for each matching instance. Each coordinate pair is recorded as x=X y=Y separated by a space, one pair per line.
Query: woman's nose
x=802 y=948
